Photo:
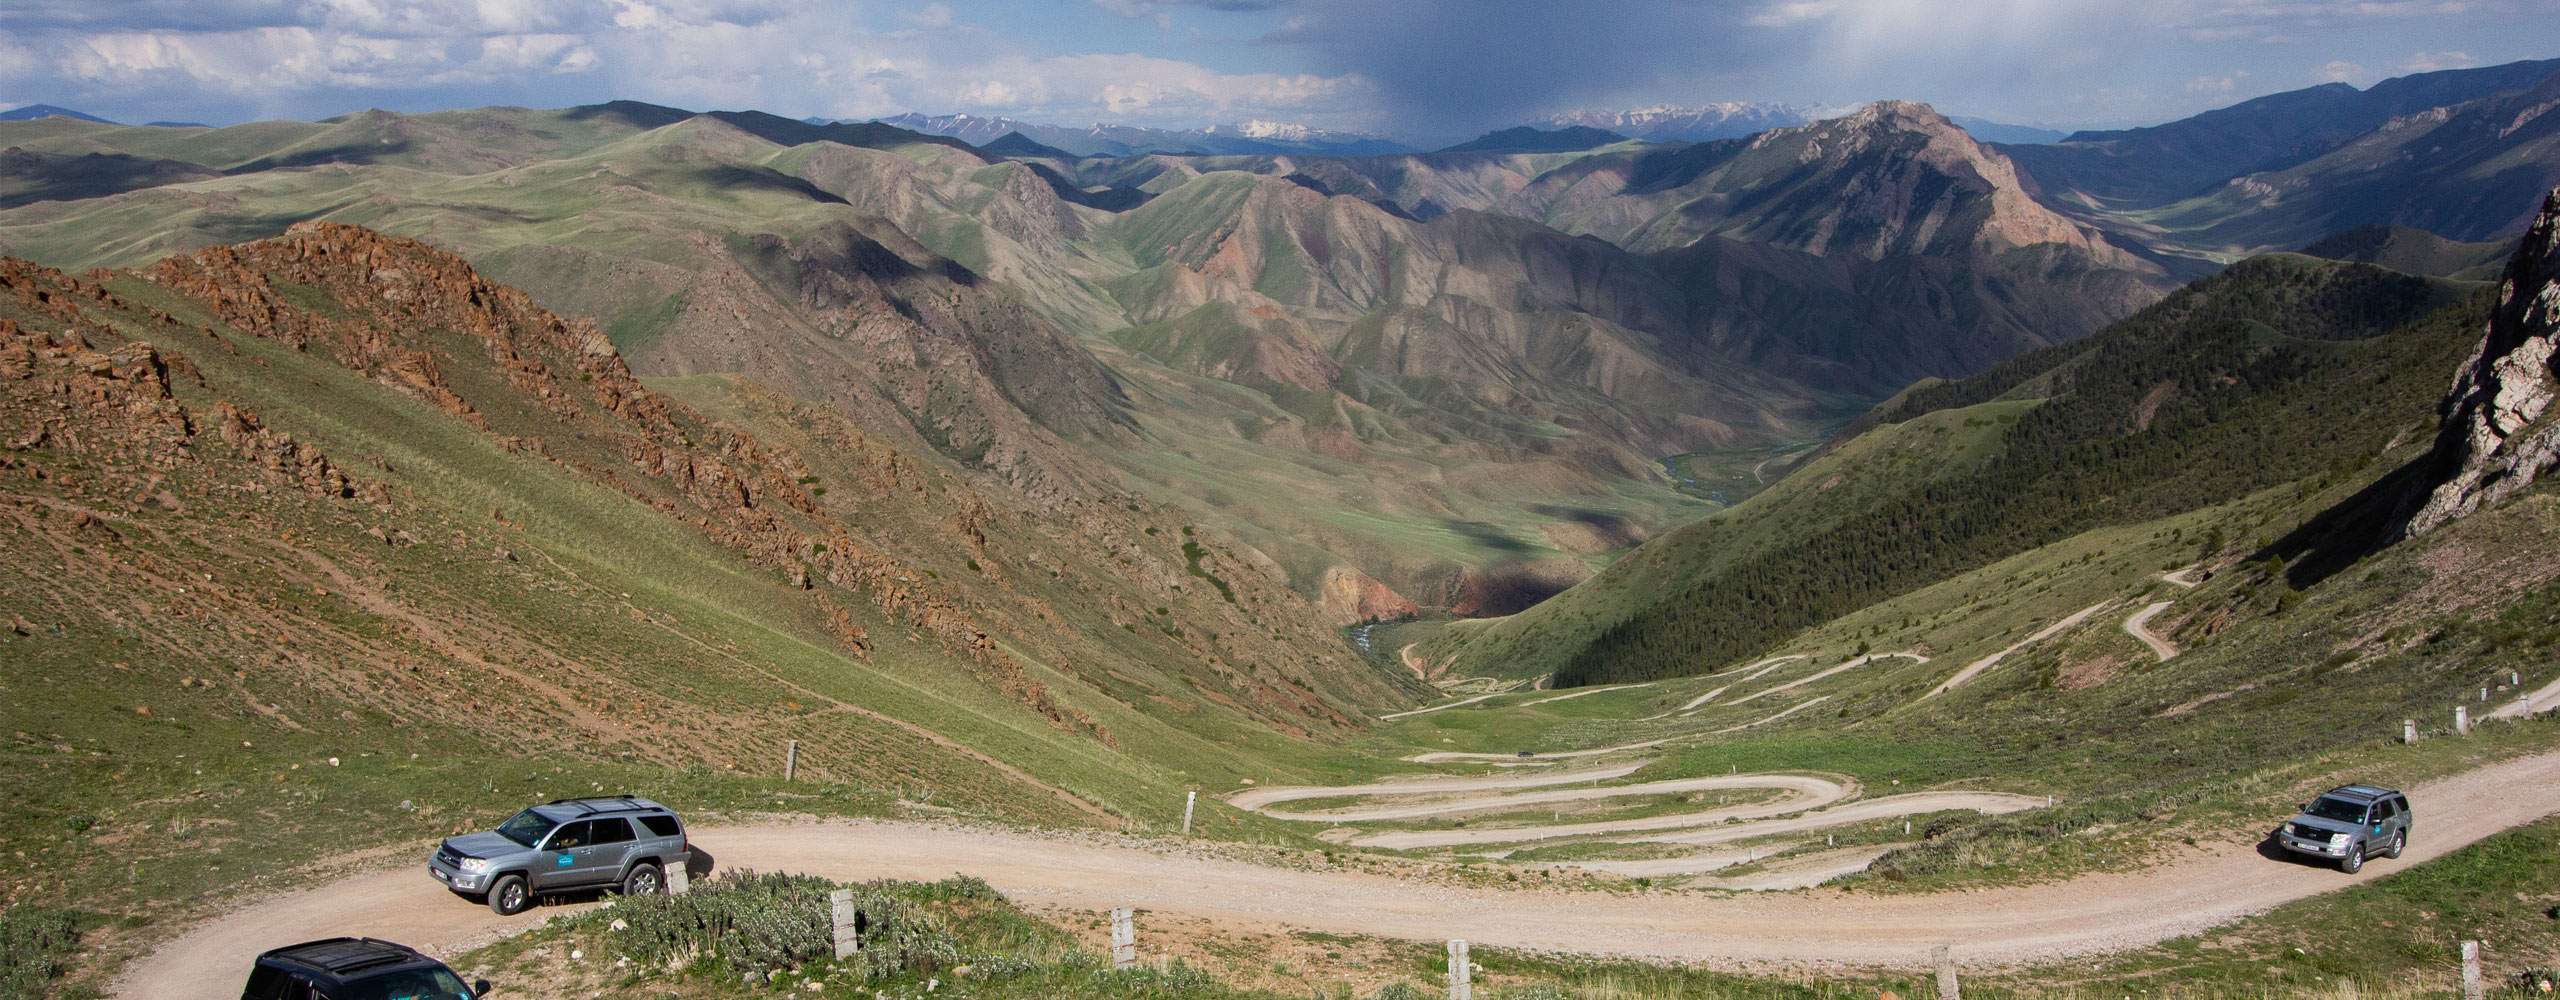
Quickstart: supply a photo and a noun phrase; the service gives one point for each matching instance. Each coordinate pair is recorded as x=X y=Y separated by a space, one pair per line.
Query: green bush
x=774 y=922
x=757 y=922
x=34 y=944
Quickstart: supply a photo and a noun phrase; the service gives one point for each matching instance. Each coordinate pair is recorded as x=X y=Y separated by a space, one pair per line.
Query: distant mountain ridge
x=1528 y=139
x=1129 y=140
x=37 y=112
x=1684 y=123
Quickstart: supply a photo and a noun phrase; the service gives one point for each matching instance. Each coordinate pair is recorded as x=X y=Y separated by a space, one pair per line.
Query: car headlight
x=2337 y=842
x=474 y=865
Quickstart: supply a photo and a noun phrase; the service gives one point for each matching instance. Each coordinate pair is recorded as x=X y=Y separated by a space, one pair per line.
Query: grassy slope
x=603 y=219
x=192 y=640
x=2168 y=410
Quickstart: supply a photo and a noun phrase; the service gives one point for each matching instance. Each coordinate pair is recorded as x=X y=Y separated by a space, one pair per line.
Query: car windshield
x=2338 y=809
x=526 y=828
x=410 y=984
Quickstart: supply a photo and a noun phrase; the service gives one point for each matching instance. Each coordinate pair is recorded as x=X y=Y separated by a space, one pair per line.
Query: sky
x=1427 y=70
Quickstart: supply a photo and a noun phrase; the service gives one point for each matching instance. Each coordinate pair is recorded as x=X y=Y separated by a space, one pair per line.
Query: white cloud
x=2342 y=71
x=2429 y=62
x=934 y=15
x=1790 y=12
x=2217 y=85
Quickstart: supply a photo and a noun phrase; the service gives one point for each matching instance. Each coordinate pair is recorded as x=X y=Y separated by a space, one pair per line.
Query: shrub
x=772 y=922
x=34 y=944
x=757 y=922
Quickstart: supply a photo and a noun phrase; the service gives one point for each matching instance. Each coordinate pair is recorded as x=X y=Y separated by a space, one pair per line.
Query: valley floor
x=2099 y=913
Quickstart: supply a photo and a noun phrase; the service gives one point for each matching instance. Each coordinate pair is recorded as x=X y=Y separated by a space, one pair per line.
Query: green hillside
x=332 y=543
x=2276 y=370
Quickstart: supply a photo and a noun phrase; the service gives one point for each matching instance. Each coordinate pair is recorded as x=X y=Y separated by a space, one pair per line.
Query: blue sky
x=1422 y=69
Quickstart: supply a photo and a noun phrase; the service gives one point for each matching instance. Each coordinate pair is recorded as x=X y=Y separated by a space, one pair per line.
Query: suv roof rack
x=589 y=802
x=341 y=955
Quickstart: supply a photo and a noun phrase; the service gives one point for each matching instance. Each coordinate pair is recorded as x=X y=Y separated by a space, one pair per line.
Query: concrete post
x=790 y=758
x=2461 y=721
x=1947 y=988
x=2409 y=731
x=2471 y=970
x=1124 y=940
x=679 y=880
x=848 y=931
x=1190 y=801
x=1461 y=982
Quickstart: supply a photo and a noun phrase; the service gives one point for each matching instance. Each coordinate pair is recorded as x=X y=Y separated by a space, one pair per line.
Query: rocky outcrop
x=1351 y=597
x=2495 y=439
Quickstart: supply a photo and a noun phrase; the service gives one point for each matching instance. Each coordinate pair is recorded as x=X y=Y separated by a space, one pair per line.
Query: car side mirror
x=479 y=987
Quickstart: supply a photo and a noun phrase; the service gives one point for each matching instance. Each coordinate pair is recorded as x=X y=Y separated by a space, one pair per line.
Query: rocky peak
x=1897 y=177
x=2495 y=439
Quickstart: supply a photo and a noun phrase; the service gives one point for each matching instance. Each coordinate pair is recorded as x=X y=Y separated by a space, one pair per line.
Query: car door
x=611 y=839
x=2387 y=821
x=564 y=852
x=2374 y=833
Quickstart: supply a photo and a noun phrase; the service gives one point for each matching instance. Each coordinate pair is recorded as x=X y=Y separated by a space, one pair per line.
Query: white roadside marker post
x=1124 y=941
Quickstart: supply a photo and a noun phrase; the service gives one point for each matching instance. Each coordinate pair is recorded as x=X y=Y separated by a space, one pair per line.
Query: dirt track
x=2098 y=913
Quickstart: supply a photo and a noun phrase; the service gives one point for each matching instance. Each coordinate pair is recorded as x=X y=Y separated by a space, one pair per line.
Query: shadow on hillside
x=731 y=176
x=55 y=177
x=354 y=152
x=2361 y=525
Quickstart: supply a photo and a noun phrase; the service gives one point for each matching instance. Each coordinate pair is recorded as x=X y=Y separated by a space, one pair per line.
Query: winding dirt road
x=2139 y=627
x=2098 y=913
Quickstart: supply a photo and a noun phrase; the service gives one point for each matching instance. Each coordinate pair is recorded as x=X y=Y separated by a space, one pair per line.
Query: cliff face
x=2495 y=439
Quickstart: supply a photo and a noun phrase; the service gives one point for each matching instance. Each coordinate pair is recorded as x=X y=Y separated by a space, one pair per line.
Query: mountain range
x=1434 y=380
x=1247 y=138
x=367 y=478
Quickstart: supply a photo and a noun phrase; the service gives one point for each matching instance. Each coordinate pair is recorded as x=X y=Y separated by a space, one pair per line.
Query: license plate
x=440 y=876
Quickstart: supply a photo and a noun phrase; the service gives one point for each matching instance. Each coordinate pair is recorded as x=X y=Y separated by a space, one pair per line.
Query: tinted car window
x=2338 y=809
x=569 y=835
x=613 y=830
x=265 y=983
x=663 y=826
x=526 y=828
x=412 y=984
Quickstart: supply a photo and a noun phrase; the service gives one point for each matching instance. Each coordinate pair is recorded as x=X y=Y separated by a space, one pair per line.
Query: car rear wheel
x=509 y=896
x=2399 y=843
x=644 y=880
x=2354 y=861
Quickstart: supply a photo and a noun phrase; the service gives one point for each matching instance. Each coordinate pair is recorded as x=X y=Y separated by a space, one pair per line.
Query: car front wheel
x=644 y=880
x=509 y=897
x=2354 y=861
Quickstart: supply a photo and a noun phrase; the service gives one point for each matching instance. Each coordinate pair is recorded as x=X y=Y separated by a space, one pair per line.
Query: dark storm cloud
x=170 y=15
x=1475 y=64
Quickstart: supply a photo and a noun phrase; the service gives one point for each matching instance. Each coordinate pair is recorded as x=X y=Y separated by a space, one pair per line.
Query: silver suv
x=2348 y=824
x=623 y=842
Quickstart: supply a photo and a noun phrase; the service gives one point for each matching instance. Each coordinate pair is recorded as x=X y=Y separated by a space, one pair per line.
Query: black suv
x=348 y=968
x=622 y=842
x=2348 y=824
